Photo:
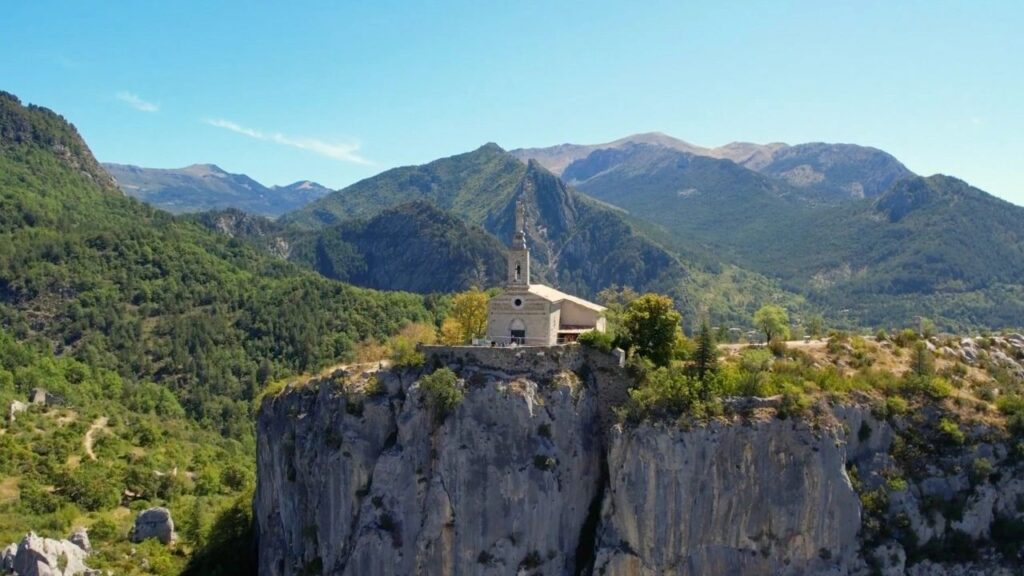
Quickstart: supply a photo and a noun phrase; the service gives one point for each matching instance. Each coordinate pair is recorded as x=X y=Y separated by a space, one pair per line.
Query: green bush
x=981 y=469
x=795 y=402
x=933 y=387
x=404 y=353
x=951 y=432
x=442 y=392
x=599 y=340
x=905 y=338
x=667 y=393
x=1012 y=407
x=896 y=406
x=756 y=360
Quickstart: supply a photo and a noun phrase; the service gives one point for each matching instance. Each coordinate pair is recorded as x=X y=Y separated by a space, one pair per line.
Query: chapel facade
x=534 y=314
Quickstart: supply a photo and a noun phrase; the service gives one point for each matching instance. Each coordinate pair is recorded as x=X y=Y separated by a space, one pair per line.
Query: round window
x=518 y=302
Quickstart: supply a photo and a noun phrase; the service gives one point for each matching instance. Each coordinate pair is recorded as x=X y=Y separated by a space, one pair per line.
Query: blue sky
x=338 y=91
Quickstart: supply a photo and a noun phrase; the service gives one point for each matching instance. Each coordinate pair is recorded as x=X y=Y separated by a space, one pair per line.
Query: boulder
x=80 y=538
x=7 y=558
x=15 y=407
x=153 y=523
x=37 y=556
x=43 y=397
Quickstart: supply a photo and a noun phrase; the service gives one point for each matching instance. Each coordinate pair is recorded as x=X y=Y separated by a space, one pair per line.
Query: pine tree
x=706 y=355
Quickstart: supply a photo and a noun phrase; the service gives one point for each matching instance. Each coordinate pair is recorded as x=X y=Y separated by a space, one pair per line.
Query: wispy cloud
x=139 y=104
x=344 y=151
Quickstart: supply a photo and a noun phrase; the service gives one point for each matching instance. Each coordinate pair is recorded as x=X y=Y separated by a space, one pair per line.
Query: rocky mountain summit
x=202 y=187
x=532 y=472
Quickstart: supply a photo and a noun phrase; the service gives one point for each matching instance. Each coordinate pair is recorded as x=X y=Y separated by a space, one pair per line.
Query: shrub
x=896 y=484
x=905 y=338
x=404 y=352
x=777 y=346
x=951 y=432
x=896 y=406
x=599 y=340
x=933 y=387
x=756 y=360
x=795 y=402
x=664 y=393
x=442 y=392
x=104 y=530
x=1012 y=407
x=981 y=469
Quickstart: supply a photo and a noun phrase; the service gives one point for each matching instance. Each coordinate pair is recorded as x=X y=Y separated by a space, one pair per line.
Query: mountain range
x=202 y=187
x=848 y=227
x=844 y=230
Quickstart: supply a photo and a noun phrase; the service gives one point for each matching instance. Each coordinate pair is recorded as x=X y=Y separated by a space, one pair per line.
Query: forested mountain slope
x=154 y=336
x=848 y=226
x=576 y=243
x=130 y=288
x=415 y=247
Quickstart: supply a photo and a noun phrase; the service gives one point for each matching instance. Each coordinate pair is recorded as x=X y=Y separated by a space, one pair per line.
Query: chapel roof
x=551 y=295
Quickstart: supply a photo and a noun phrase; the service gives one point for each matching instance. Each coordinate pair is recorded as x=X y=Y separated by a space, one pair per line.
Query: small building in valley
x=534 y=314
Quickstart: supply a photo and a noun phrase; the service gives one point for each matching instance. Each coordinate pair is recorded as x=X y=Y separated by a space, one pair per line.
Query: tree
x=468 y=318
x=773 y=321
x=922 y=363
x=403 y=345
x=816 y=326
x=705 y=357
x=651 y=322
x=193 y=529
x=925 y=327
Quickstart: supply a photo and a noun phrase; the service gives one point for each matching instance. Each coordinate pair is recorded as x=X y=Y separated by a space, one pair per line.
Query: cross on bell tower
x=519 y=254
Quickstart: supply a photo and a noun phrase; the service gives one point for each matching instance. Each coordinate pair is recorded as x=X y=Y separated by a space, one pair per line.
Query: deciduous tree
x=773 y=321
x=651 y=322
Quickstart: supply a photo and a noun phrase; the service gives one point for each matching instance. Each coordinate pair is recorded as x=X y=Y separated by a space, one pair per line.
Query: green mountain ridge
x=413 y=247
x=577 y=244
x=133 y=289
x=916 y=249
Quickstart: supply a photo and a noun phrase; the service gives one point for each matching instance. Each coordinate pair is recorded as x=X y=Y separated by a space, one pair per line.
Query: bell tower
x=519 y=254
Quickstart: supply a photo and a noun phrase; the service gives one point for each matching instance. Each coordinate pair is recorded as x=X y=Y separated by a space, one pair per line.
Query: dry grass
x=9 y=491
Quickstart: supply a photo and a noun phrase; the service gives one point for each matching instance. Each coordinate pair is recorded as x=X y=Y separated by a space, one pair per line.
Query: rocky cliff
x=527 y=474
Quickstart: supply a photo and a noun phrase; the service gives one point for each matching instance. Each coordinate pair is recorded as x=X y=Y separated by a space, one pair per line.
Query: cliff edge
x=511 y=463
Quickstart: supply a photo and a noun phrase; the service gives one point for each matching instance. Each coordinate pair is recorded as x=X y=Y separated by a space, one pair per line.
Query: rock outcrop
x=766 y=497
x=153 y=523
x=361 y=474
x=37 y=556
x=504 y=483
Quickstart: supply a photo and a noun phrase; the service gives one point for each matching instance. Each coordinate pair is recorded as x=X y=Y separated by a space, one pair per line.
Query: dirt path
x=90 y=436
x=808 y=345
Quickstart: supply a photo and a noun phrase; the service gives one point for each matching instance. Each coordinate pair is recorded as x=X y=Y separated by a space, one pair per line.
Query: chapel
x=534 y=314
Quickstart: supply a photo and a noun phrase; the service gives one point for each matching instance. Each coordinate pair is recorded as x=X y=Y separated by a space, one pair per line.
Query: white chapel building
x=534 y=314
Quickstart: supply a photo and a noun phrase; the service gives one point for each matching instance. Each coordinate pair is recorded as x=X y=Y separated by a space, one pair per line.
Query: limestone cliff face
x=763 y=497
x=528 y=475
x=377 y=486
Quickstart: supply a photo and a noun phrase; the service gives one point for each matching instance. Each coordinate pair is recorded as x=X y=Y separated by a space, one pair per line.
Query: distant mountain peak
x=202 y=187
x=204 y=170
x=491 y=147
